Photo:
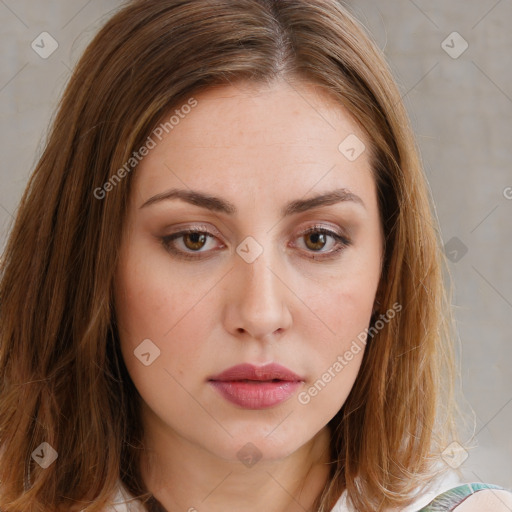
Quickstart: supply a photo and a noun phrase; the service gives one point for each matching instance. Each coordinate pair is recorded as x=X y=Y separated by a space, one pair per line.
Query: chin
x=262 y=443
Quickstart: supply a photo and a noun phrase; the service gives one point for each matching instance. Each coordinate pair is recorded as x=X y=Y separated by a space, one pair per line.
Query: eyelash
x=342 y=243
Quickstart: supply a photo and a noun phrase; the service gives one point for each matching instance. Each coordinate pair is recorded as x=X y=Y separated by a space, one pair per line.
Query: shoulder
x=450 y=494
x=490 y=500
x=472 y=497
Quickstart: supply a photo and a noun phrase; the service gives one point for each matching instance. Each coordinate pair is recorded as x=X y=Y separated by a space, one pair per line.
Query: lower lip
x=256 y=395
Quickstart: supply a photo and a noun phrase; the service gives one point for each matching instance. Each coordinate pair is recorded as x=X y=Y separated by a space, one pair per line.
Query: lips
x=267 y=372
x=256 y=387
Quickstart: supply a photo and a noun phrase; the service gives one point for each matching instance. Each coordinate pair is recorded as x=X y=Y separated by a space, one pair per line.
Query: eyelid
x=324 y=227
x=202 y=228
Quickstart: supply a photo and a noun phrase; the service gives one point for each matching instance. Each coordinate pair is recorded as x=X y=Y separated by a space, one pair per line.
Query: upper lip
x=249 y=371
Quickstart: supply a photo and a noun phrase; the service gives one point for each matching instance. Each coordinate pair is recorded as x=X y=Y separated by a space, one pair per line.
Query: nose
x=257 y=300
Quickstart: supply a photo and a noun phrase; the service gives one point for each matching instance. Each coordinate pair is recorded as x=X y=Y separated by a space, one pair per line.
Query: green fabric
x=450 y=499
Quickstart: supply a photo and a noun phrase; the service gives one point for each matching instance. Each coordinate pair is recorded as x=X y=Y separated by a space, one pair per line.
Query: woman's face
x=283 y=270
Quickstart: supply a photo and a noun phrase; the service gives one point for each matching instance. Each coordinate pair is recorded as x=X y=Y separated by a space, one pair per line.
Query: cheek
x=348 y=307
x=151 y=305
x=343 y=311
x=343 y=304
x=336 y=356
x=346 y=313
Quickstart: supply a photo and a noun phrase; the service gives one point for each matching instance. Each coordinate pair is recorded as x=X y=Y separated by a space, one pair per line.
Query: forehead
x=279 y=137
x=284 y=112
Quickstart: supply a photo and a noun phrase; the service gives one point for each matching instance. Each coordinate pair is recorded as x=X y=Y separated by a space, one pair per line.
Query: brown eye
x=315 y=241
x=191 y=243
x=320 y=243
x=194 y=241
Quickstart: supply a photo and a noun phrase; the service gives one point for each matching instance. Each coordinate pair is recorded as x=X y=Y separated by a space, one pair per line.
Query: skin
x=487 y=500
x=258 y=147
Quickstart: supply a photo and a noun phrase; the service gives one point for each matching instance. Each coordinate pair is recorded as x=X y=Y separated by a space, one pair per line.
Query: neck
x=185 y=477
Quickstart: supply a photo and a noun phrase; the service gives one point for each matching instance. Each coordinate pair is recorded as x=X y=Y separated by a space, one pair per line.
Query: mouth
x=256 y=387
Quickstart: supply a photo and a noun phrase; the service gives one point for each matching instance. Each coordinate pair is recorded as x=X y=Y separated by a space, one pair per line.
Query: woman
x=223 y=289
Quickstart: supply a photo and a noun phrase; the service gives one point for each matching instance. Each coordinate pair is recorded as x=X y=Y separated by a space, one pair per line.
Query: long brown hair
x=63 y=380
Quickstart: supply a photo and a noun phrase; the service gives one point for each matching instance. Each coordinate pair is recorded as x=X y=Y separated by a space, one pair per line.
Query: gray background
x=461 y=110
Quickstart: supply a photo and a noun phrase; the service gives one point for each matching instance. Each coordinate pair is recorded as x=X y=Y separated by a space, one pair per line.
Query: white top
x=449 y=480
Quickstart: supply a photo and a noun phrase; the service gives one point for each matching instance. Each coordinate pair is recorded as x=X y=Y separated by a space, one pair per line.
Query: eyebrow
x=218 y=204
